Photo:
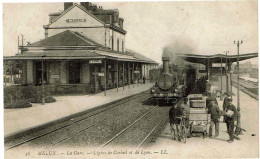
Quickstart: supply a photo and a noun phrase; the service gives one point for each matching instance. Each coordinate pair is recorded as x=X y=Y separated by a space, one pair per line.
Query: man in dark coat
x=225 y=103
x=231 y=115
x=215 y=115
x=186 y=111
x=210 y=98
x=175 y=111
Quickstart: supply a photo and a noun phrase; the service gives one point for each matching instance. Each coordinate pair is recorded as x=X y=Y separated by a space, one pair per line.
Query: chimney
x=86 y=5
x=165 y=64
x=67 y=5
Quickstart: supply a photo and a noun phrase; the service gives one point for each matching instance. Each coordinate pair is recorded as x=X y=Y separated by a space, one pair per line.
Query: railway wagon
x=171 y=82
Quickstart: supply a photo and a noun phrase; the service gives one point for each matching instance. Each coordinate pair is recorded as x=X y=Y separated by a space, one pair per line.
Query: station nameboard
x=98 y=73
x=136 y=71
x=101 y=74
x=95 y=61
x=218 y=65
x=54 y=76
x=76 y=20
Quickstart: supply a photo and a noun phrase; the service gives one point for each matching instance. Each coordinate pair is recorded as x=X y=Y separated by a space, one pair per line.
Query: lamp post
x=227 y=88
x=231 y=92
x=238 y=130
x=221 y=98
x=43 y=96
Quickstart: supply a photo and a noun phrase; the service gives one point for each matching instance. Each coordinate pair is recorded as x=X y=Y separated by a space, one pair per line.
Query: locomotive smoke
x=180 y=46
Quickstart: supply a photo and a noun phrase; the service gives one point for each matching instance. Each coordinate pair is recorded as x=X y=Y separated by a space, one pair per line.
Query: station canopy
x=204 y=59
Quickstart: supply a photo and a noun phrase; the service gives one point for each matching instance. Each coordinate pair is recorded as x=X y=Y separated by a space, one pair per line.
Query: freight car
x=172 y=83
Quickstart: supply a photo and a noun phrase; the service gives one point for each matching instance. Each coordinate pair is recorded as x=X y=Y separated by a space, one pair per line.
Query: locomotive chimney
x=165 y=64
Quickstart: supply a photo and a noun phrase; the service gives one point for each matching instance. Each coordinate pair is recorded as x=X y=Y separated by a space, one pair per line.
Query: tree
x=11 y=68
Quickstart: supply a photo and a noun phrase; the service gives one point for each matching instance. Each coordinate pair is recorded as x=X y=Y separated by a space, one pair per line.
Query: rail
x=245 y=90
x=120 y=103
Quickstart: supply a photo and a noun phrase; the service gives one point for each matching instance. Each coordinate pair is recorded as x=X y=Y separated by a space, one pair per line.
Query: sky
x=206 y=28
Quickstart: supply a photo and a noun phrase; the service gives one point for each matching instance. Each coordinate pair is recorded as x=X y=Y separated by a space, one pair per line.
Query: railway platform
x=197 y=147
x=17 y=121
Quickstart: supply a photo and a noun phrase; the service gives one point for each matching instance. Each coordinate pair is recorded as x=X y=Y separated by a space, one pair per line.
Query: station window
x=117 y=44
x=123 y=46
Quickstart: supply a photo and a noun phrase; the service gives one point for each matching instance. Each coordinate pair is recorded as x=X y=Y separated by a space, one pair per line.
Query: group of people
x=229 y=112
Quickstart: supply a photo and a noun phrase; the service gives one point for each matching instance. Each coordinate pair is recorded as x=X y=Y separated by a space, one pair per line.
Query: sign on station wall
x=98 y=73
x=76 y=20
x=101 y=74
x=54 y=76
x=95 y=61
x=218 y=65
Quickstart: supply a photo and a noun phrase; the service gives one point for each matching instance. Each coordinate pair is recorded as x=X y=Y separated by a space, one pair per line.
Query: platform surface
x=19 y=120
x=197 y=147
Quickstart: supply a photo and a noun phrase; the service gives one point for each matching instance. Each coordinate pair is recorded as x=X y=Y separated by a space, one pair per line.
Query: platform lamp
x=231 y=92
x=238 y=128
x=221 y=91
x=43 y=96
x=226 y=69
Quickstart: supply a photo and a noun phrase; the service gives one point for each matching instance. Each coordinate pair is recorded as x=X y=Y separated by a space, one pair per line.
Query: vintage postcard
x=153 y=79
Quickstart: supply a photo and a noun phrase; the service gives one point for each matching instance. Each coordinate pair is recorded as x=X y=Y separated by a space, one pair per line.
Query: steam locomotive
x=172 y=83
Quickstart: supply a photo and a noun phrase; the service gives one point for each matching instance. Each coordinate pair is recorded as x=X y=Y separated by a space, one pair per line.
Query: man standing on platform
x=215 y=115
x=209 y=99
x=225 y=103
x=231 y=115
x=186 y=112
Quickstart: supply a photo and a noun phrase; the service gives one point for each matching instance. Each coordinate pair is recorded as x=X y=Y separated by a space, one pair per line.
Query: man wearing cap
x=210 y=98
x=186 y=112
x=230 y=115
x=215 y=115
x=225 y=103
x=175 y=111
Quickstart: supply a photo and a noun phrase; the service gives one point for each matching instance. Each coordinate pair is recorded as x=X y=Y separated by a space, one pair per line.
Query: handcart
x=199 y=117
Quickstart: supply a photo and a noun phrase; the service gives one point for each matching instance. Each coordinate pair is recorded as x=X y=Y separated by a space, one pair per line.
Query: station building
x=84 y=49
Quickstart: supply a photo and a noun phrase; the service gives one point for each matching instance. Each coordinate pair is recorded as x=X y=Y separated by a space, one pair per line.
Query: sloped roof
x=203 y=59
x=66 y=38
x=56 y=55
x=140 y=57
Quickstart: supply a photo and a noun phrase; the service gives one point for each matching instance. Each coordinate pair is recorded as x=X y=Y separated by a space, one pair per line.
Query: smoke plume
x=179 y=46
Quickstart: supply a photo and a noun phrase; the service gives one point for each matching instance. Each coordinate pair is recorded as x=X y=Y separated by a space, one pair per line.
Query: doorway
x=74 y=72
x=38 y=73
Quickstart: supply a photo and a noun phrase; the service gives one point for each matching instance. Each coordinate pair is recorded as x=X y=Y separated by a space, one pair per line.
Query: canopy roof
x=204 y=59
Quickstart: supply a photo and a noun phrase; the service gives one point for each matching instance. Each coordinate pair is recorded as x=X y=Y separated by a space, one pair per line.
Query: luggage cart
x=199 y=117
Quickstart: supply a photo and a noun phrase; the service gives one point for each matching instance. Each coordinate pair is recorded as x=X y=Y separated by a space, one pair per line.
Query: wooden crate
x=197 y=103
x=195 y=97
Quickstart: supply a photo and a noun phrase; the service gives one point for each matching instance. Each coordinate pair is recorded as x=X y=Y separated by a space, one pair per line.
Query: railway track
x=65 y=125
x=143 y=124
x=246 y=90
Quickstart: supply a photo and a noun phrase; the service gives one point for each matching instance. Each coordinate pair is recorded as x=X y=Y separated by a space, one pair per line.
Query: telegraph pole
x=238 y=130
x=227 y=89
x=221 y=97
x=43 y=91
